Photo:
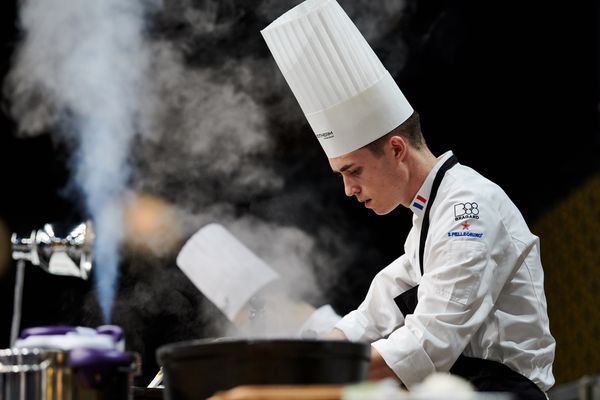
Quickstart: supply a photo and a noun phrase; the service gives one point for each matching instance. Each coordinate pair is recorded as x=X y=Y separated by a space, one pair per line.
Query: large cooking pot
x=197 y=369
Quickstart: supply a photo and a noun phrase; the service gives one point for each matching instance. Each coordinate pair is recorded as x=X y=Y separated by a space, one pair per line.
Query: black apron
x=484 y=375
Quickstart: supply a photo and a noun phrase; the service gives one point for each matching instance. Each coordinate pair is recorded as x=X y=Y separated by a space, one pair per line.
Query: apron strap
x=407 y=301
x=449 y=163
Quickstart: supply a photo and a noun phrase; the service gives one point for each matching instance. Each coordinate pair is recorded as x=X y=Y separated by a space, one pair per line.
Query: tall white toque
x=345 y=92
x=223 y=268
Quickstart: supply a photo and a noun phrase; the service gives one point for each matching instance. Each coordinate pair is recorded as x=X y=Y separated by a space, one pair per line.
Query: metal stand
x=18 y=299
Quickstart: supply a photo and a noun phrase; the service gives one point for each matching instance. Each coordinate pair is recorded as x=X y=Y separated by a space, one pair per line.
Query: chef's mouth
x=367 y=203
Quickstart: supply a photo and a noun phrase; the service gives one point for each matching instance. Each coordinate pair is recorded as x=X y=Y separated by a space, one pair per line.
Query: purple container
x=35 y=374
x=47 y=330
x=79 y=373
x=106 y=373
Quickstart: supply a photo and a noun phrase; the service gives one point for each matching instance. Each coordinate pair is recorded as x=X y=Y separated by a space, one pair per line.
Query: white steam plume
x=86 y=60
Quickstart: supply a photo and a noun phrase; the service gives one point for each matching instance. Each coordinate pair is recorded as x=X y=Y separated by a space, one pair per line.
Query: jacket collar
x=420 y=200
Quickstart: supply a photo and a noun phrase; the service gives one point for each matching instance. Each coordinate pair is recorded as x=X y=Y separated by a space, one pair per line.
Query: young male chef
x=467 y=295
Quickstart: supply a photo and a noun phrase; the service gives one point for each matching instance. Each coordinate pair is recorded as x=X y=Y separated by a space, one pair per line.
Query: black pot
x=197 y=369
x=142 y=393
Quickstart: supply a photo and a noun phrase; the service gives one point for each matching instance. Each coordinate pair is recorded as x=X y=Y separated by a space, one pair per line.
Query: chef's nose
x=350 y=188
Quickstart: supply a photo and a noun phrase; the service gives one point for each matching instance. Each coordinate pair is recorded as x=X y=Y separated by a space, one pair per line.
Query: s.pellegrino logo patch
x=469 y=234
x=325 y=135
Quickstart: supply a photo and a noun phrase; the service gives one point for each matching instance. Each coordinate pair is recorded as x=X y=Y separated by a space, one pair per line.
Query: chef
x=247 y=290
x=467 y=295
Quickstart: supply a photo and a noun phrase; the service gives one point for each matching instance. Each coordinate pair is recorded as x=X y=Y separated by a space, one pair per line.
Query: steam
x=207 y=143
x=82 y=66
x=197 y=115
x=222 y=143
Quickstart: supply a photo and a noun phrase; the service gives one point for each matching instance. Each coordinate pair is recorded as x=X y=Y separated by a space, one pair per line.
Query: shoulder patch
x=465 y=227
x=466 y=210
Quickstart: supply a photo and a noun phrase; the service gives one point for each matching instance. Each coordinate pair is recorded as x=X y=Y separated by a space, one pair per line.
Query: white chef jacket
x=319 y=323
x=481 y=293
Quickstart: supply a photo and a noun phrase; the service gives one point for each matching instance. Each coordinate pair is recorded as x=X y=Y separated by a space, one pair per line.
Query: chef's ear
x=398 y=146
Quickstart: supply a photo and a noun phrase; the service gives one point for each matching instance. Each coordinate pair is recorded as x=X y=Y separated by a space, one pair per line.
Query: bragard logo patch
x=325 y=135
x=466 y=210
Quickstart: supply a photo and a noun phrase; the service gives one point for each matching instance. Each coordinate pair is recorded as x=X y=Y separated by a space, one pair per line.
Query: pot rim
x=253 y=348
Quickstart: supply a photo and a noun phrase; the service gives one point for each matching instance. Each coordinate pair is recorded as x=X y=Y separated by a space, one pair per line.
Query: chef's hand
x=335 y=334
x=379 y=370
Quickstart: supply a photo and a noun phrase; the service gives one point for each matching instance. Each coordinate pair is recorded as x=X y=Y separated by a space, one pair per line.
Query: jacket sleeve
x=378 y=316
x=467 y=262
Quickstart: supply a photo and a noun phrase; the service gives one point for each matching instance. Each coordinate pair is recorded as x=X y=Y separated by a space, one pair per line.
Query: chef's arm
x=455 y=297
x=378 y=315
x=334 y=334
x=378 y=368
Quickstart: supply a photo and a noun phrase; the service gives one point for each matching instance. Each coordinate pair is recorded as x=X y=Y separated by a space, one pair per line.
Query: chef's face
x=377 y=181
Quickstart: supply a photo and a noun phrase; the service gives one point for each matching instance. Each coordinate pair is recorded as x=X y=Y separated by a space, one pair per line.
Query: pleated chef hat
x=345 y=92
x=223 y=268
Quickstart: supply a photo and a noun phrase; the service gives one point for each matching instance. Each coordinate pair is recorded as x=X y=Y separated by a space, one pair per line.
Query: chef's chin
x=382 y=211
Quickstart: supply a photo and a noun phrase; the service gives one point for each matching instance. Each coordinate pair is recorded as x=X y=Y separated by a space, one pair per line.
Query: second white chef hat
x=345 y=92
x=223 y=268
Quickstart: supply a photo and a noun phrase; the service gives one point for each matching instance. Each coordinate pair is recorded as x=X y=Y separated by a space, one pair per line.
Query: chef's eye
x=356 y=172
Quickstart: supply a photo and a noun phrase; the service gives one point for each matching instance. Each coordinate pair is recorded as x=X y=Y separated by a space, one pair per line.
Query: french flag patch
x=420 y=202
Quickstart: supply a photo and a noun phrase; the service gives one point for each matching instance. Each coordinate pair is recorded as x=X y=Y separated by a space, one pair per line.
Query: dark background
x=511 y=87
